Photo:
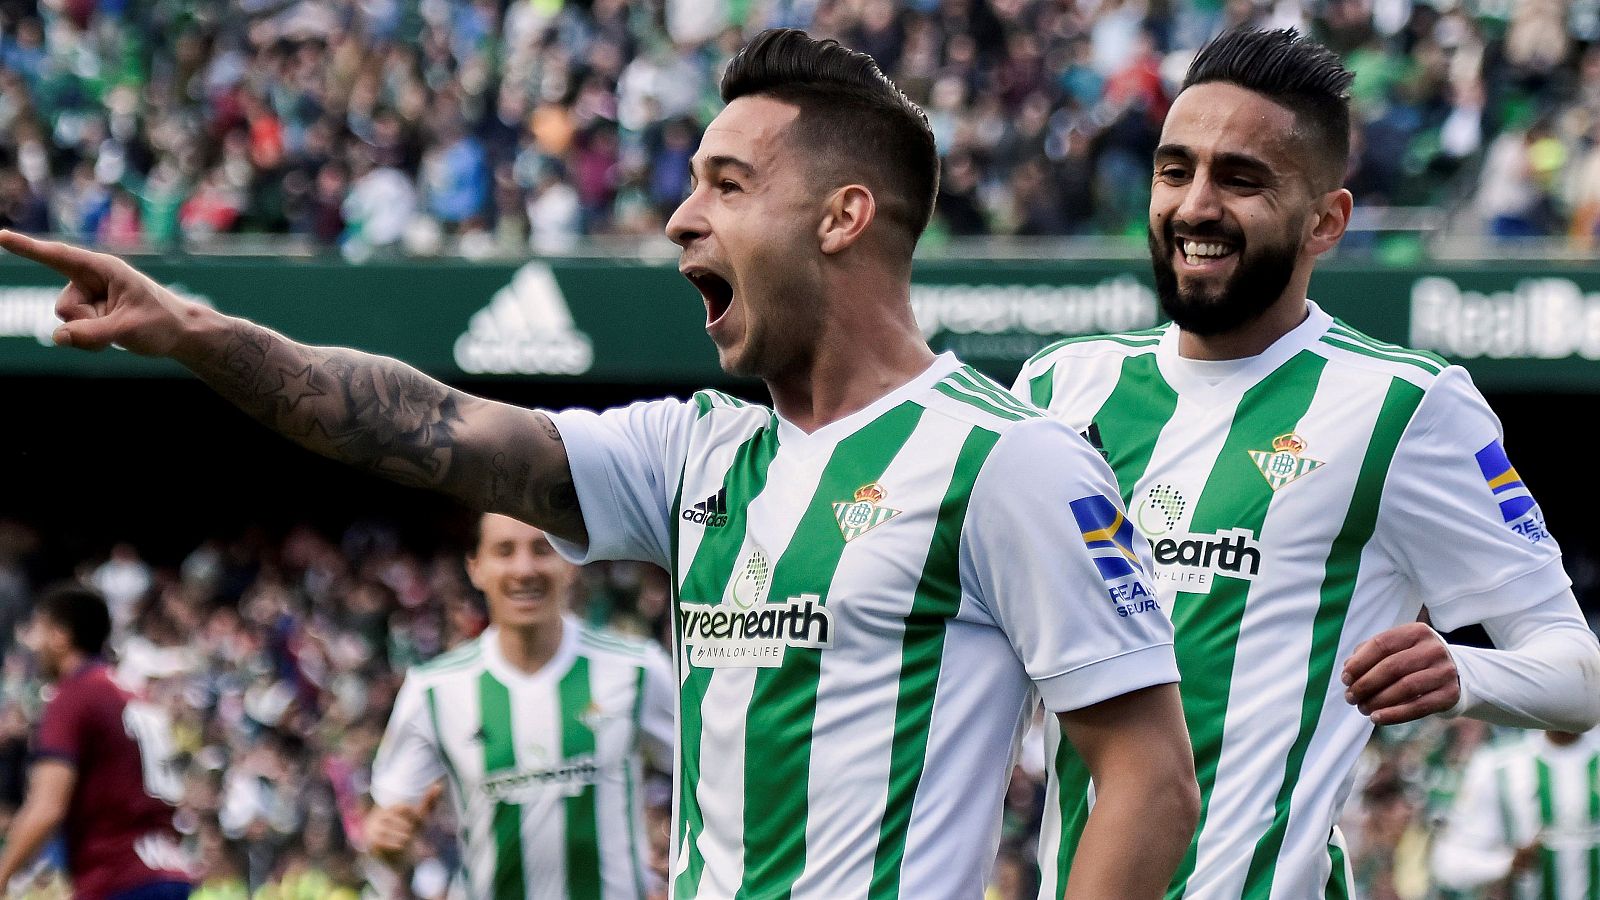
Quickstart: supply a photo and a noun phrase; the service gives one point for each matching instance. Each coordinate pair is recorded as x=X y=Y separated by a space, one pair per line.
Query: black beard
x=1257 y=283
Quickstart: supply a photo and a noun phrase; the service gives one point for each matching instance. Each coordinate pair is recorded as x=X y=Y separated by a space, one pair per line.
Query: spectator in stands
x=604 y=93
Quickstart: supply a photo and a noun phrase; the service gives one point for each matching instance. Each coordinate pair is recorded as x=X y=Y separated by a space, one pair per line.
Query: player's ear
x=845 y=217
x=1332 y=213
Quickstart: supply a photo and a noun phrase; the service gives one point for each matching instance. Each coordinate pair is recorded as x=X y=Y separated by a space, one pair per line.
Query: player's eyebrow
x=1227 y=159
x=711 y=164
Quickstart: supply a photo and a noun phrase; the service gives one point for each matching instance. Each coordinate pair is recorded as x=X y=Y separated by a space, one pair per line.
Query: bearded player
x=1306 y=490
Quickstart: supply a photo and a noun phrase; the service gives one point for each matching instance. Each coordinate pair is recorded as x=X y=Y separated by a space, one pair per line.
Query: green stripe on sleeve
x=1432 y=362
x=1042 y=387
x=957 y=393
x=1338 y=586
x=500 y=754
x=577 y=742
x=783 y=706
x=1207 y=625
x=1149 y=337
x=937 y=600
x=981 y=383
x=705 y=582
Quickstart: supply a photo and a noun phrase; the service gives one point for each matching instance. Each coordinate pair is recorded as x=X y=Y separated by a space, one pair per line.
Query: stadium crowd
x=487 y=127
x=278 y=658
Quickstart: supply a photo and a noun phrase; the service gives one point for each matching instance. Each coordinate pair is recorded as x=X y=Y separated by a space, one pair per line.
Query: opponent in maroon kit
x=101 y=767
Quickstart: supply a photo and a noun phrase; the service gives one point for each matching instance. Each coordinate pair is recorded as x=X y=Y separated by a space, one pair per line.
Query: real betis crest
x=1284 y=463
x=863 y=514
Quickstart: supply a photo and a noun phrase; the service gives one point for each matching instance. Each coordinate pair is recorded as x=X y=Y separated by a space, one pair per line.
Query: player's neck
x=1251 y=339
x=72 y=663
x=866 y=351
x=528 y=648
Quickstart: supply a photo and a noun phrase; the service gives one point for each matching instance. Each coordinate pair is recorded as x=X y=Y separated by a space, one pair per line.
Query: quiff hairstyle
x=1298 y=74
x=854 y=125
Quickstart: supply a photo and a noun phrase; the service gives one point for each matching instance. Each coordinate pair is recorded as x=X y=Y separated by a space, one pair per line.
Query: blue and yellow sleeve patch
x=1504 y=482
x=1109 y=536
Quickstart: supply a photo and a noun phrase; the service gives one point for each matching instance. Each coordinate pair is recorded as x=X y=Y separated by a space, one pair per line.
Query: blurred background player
x=854 y=747
x=540 y=727
x=1527 y=818
x=1305 y=489
x=102 y=770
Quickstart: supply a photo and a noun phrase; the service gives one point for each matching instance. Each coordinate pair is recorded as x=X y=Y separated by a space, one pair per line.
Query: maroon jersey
x=118 y=828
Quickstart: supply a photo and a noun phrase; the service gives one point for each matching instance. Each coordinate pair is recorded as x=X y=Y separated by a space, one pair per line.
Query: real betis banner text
x=1517 y=327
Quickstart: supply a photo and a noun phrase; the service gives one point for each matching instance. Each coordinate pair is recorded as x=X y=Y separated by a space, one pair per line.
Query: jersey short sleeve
x=658 y=711
x=625 y=465
x=409 y=758
x=1456 y=516
x=1058 y=567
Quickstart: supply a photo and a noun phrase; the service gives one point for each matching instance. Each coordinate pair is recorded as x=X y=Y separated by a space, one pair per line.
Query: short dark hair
x=851 y=115
x=80 y=611
x=1298 y=74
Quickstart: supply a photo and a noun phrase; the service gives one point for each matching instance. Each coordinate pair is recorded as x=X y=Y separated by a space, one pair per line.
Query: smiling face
x=526 y=582
x=1232 y=208
x=749 y=233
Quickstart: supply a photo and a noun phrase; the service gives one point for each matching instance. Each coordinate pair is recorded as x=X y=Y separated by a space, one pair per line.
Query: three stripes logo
x=712 y=512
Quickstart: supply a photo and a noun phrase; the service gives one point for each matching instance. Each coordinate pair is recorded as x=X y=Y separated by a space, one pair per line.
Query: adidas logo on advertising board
x=712 y=512
x=527 y=329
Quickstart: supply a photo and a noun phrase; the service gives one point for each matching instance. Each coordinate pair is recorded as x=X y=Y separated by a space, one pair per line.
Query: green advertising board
x=1516 y=327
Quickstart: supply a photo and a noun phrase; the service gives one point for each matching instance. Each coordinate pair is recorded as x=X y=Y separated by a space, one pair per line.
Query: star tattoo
x=294 y=387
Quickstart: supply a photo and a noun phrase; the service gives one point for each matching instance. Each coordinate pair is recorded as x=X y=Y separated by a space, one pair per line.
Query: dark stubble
x=1256 y=283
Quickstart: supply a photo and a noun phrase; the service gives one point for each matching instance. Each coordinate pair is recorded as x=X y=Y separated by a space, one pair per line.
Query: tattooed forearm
x=553 y=499
x=508 y=487
x=386 y=417
x=365 y=410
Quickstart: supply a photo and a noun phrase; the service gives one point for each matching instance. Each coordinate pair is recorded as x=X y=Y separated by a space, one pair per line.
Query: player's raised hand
x=106 y=301
x=391 y=829
x=1402 y=674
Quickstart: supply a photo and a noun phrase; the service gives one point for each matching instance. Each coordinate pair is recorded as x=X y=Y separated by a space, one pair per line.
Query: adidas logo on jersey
x=712 y=512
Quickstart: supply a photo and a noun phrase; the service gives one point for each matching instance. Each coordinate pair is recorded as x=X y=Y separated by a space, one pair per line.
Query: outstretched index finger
x=73 y=262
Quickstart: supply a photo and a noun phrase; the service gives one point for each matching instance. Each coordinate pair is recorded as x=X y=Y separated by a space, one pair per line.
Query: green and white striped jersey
x=1297 y=503
x=864 y=615
x=1530 y=791
x=544 y=770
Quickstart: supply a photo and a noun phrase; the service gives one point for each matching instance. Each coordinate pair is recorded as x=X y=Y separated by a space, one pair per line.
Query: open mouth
x=1200 y=253
x=716 y=290
x=527 y=594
